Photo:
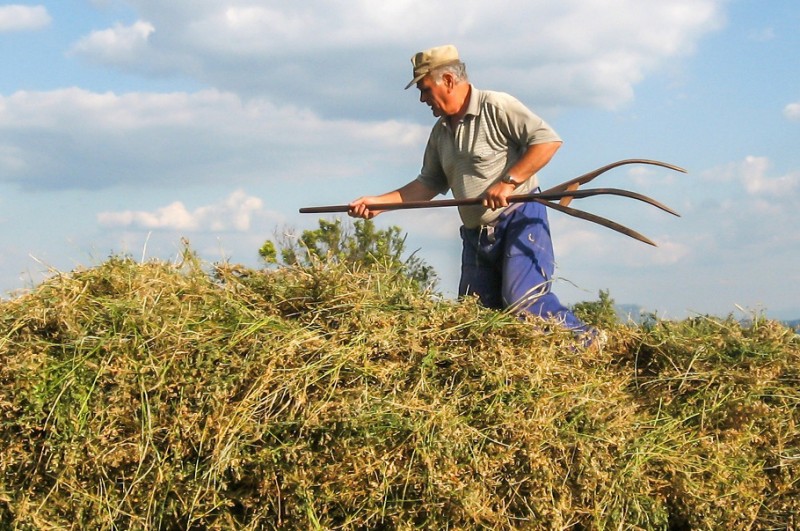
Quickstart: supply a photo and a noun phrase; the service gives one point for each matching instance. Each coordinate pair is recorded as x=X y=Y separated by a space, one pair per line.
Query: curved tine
x=599 y=220
x=589 y=192
x=586 y=177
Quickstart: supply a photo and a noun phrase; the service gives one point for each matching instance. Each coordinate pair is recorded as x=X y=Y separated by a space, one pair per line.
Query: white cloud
x=581 y=241
x=748 y=213
x=17 y=17
x=738 y=186
x=792 y=111
x=233 y=214
x=119 y=45
x=670 y=251
x=725 y=173
x=74 y=138
x=578 y=52
x=755 y=178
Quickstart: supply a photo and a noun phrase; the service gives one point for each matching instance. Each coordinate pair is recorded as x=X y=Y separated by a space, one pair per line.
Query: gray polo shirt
x=494 y=133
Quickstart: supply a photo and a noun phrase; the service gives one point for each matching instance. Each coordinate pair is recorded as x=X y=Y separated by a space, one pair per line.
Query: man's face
x=433 y=95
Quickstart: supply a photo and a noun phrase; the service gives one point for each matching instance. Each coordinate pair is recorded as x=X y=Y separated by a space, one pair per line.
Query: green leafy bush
x=360 y=245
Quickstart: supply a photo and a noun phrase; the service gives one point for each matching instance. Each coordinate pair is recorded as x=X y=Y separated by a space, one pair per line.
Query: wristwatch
x=508 y=179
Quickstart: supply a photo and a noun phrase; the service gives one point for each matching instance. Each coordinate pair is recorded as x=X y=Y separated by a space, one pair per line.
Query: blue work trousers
x=510 y=264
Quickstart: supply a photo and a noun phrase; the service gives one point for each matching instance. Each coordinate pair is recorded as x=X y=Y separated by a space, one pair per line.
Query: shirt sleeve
x=524 y=126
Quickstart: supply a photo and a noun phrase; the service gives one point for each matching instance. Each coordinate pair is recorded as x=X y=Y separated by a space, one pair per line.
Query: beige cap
x=431 y=59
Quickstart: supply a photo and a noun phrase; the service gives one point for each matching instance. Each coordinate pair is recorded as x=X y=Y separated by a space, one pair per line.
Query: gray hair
x=459 y=71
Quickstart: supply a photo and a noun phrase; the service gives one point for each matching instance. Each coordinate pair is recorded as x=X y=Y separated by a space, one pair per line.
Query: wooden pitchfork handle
x=564 y=193
x=540 y=197
x=547 y=200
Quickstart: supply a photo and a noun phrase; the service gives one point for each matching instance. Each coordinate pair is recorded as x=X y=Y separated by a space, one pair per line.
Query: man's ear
x=448 y=81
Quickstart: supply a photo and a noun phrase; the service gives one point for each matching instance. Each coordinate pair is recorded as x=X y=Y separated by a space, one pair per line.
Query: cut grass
x=157 y=396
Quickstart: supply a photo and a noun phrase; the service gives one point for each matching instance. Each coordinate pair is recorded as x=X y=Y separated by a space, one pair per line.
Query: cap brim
x=430 y=68
x=415 y=81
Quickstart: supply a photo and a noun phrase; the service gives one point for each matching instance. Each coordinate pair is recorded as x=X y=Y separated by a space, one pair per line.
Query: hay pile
x=156 y=396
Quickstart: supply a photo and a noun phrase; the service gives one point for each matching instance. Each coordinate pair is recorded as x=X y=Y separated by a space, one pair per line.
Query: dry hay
x=156 y=396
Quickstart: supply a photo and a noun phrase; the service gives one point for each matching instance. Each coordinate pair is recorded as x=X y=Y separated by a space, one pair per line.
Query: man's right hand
x=368 y=206
x=360 y=208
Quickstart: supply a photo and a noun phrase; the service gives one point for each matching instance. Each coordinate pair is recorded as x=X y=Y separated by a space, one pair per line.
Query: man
x=486 y=144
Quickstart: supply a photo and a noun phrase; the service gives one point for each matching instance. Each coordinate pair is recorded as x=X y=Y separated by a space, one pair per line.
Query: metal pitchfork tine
x=564 y=193
x=573 y=184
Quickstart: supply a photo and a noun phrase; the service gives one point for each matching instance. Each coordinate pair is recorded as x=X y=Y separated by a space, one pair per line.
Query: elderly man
x=486 y=144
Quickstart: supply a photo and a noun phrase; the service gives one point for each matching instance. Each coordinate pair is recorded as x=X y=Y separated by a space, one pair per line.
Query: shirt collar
x=473 y=107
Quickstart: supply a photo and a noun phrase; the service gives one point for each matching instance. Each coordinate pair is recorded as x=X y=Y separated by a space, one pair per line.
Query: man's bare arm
x=535 y=158
x=368 y=207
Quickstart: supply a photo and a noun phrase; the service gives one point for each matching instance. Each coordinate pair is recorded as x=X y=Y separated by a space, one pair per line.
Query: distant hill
x=635 y=313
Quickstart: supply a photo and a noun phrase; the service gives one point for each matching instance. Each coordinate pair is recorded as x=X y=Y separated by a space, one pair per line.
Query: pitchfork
x=558 y=198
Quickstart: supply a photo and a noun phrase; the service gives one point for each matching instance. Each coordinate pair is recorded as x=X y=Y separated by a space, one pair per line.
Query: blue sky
x=126 y=126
